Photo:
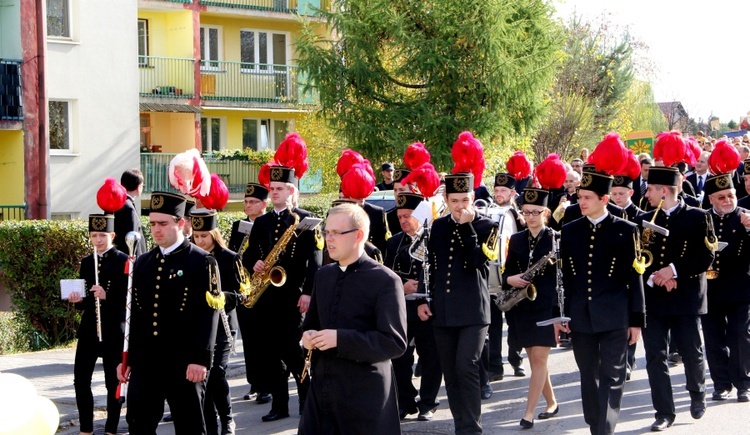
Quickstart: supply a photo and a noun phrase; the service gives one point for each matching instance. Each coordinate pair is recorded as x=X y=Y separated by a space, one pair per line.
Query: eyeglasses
x=532 y=213
x=335 y=234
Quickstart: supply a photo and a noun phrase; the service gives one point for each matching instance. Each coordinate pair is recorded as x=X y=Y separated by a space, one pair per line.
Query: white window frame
x=271 y=133
x=222 y=134
x=71 y=150
x=205 y=61
x=71 y=7
x=269 y=46
x=143 y=60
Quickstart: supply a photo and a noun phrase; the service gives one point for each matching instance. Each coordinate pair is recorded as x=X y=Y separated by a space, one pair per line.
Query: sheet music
x=68 y=286
x=245 y=227
x=308 y=223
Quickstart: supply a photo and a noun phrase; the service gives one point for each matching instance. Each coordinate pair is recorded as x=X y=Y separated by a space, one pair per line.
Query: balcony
x=11 y=105
x=12 y=212
x=302 y=7
x=264 y=84
x=166 y=77
x=235 y=173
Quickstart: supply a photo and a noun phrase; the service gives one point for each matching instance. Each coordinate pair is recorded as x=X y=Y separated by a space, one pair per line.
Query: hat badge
x=619 y=180
x=530 y=196
x=157 y=202
x=397 y=174
x=249 y=190
x=197 y=223
x=276 y=174
x=722 y=182
x=98 y=223
x=586 y=180
x=460 y=185
x=501 y=179
x=401 y=200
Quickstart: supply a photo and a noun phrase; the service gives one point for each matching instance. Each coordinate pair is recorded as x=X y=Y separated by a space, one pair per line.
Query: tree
x=638 y=111
x=391 y=73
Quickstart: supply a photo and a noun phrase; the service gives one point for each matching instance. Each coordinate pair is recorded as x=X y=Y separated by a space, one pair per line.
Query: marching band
x=608 y=251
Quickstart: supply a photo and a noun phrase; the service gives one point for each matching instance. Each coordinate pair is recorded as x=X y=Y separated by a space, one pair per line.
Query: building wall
x=230 y=29
x=232 y=120
x=11 y=167
x=10 y=29
x=97 y=72
x=175 y=132
x=170 y=33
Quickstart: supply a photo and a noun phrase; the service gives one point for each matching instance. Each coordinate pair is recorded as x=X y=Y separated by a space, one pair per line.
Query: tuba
x=271 y=273
x=507 y=299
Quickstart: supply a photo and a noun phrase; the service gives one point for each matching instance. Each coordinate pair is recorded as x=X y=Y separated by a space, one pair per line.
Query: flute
x=130 y=239
x=97 y=305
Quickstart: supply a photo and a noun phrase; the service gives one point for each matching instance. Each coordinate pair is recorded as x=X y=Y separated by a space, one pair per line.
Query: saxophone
x=271 y=273
x=507 y=299
x=647 y=238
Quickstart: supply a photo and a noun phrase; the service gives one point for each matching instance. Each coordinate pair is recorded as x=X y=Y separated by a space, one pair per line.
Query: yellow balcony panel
x=164 y=77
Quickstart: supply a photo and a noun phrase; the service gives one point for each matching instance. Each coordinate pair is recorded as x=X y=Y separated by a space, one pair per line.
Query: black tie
x=643 y=188
x=700 y=184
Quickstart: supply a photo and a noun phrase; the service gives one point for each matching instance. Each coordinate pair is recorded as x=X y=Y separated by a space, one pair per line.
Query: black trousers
x=726 y=329
x=459 y=349
x=250 y=328
x=685 y=333
x=601 y=361
x=496 y=342
x=88 y=351
x=150 y=386
x=424 y=341
x=218 y=402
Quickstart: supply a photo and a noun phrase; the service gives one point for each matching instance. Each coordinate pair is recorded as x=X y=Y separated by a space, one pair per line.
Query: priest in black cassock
x=355 y=325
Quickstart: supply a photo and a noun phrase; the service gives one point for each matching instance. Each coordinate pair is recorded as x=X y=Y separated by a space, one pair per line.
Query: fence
x=12 y=212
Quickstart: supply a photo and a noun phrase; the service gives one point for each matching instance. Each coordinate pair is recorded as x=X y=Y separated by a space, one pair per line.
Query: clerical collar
x=343 y=268
x=600 y=218
x=177 y=244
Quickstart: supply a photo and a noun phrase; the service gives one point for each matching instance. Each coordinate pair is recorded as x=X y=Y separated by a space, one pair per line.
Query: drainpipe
x=43 y=154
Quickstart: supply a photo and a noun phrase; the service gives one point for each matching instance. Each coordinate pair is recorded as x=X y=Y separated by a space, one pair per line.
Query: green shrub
x=35 y=256
x=18 y=335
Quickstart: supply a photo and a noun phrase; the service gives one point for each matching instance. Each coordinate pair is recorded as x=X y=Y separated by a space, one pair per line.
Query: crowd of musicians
x=596 y=254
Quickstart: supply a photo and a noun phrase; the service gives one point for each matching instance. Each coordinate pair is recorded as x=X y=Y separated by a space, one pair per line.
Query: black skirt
x=522 y=326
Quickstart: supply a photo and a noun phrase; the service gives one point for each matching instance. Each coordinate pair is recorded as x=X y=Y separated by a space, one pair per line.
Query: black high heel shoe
x=525 y=424
x=545 y=415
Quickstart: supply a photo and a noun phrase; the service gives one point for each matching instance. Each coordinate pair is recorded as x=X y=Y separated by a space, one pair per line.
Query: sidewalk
x=51 y=372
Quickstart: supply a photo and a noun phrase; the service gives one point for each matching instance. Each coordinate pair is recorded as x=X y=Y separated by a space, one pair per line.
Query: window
x=58 y=18
x=59 y=125
x=211 y=134
x=143 y=42
x=264 y=134
x=210 y=44
x=260 y=49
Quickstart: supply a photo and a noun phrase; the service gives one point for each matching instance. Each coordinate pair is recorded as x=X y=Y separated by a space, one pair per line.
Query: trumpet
x=647 y=238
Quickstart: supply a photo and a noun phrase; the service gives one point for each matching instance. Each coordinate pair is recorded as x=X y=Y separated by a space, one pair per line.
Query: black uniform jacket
x=573 y=212
x=114 y=280
x=459 y=270
x=300 y=260
x=518 y=261
x=379 y=231
x=397 y=259
x=127 y=220
x=228 y=262
x=353 y=389
x=686 y=249
x=171 y=323
x=733 y=262
x=632 y=211
x=603 y=292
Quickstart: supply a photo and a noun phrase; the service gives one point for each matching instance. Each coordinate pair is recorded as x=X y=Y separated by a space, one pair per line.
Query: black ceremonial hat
x=283 y=174
x=203 y=220
x=408 y=201
x=399 y=174
x=599 y=183
x=168 y=203
x=256 y=190
x=665 y=176
x=622 y=181
x=535 y=196
x=463 y=182
x=103 y=223
x=505 y=180
x=716 y=183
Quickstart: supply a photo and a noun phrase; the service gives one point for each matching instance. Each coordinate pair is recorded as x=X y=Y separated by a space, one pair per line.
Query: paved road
x=52 y=374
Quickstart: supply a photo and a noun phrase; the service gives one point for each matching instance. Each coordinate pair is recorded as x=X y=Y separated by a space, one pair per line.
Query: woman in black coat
x=218 y=401
x=525 y=249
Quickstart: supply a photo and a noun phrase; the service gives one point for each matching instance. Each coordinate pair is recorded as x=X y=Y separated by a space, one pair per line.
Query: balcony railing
x=302 y=7
x=12 y=212
x=11 y=106
x=166 y=77
x=235 y=173
x=248 y=82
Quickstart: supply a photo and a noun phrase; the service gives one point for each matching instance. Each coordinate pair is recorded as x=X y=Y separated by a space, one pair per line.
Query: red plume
x=358 y=182
x=264 y=175
x=551 y=172
x=369 y=169
x=189 y=174
x=610 y=156
x=468 y=156
x=670 y=148
x=416 y=155
x=292 y=153
x=694 y=151
x=632 y=168
x=519 y=166
x=724 y=158
x=347 y=160
x=111 y=196
x=426 y=177
x=218 y=195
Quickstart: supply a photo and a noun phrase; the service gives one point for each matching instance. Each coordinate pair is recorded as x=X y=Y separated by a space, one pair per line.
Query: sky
x=700 y=50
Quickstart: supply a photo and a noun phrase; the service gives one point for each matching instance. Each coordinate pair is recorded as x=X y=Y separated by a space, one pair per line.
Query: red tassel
x=468 y=156
x=358 y=182
x=218 y=196
x=292 y=153
x=426 y=177
x=111 y=196
x=670 y=148
x=724 y=158
x=264 y=174
x=551 y=172
x=610 y=156
x=519 y=166
x=416 y=155
x=632 y=168
x=348 y=158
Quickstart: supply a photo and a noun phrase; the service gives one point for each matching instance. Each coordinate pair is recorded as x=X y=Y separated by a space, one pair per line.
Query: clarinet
x=97 y=305
x=560 y=290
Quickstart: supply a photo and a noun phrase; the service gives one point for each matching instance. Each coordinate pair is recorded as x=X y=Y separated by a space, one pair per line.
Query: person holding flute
x=101 y=331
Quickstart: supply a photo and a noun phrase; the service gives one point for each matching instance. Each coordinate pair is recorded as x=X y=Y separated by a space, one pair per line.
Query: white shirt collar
x=167 y=251
x=600 y=218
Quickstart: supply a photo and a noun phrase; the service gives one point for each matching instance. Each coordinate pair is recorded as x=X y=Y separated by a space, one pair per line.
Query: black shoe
x=698 y=406
x=743 y=396
x=675 y=358
x=167 y=418
x=519 y=371
x=274 y=415
x=525 y=424
x=263 y=398
x=228 y=428
x=495 y=376
x=425 y=415
x=486 y=391
x=720 y=395
x=545 y=415
x=251 y=395
x=661 y=424
x=402 y=413
x=627 y=374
